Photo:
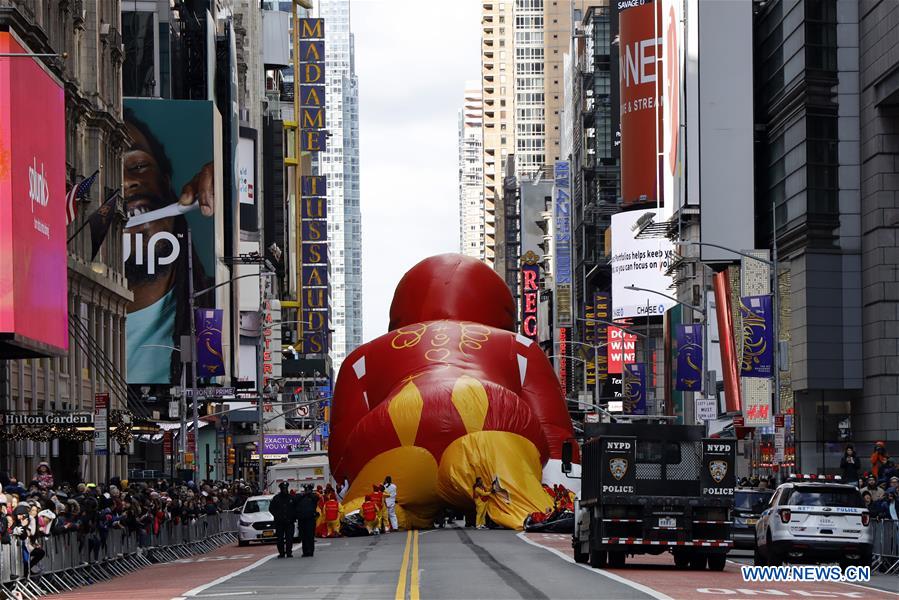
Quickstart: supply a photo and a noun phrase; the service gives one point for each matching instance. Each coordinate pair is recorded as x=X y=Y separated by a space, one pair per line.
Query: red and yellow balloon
x=451 y=393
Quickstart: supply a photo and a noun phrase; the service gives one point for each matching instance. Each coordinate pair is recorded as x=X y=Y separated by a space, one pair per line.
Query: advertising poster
x=562 y=215
x=602 y=309
x=639 y=97
x=33 y=261
x=210 y=359
x=101 y=424
x=688 y=340
x=641 y=263
x=758 y=345
x=635 y=389
x=170 y=186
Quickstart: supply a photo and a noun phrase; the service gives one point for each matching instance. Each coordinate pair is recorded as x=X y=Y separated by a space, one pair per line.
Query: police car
x=812 y=519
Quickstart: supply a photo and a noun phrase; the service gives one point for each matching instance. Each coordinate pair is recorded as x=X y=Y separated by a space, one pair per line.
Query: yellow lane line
x=401 y=584
x=413 y=587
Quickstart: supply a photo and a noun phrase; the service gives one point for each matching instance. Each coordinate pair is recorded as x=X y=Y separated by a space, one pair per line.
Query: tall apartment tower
x=498 y=85
x=471 y=172
x=340 y=163
x=530 y=107
x=558 y=16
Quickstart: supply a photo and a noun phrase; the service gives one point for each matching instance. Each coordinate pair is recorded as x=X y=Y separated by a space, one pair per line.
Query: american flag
x=78 y=192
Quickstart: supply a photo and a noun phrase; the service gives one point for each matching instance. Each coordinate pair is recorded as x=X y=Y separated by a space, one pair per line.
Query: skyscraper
x=471 y=173
x=340 y=163
x=530 y=108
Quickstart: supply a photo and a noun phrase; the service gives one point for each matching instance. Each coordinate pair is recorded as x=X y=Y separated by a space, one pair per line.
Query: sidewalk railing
x=74 y=560
x=886 y=547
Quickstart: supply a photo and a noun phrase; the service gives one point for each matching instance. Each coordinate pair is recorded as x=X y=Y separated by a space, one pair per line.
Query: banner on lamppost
x=757 y=359
x=101 y=425
x=210 y=360
x=688 y=339
x=635 y=389
x=602 y=309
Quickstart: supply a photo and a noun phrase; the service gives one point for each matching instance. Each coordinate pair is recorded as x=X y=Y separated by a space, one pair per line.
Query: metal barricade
x=74 y=560
x=885 y=548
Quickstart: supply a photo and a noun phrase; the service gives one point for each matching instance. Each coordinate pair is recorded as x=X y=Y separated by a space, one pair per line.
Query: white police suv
x=814 y=519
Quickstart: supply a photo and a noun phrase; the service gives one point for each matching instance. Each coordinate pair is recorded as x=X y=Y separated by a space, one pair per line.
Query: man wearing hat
x=878 y=458
x=307 y=511
x=282 y=510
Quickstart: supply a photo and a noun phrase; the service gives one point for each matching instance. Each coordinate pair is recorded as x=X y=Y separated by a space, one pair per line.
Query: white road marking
x=200 y=589
x=632 y=584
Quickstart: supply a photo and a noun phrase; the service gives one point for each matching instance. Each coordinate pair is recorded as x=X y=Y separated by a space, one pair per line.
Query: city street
x=450 y=563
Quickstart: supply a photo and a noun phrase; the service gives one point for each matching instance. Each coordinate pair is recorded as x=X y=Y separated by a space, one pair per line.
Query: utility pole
x=193 y=349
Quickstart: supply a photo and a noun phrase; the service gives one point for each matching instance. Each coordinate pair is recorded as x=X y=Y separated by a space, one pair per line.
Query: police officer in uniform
x=282 y=509
x=305 y=506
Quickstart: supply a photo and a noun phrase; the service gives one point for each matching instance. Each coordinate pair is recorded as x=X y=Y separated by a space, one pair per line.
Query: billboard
x=562 y=225
x=638 y=43
x=171 y=186
x=313 y=135
x=314 y=215
x=33 y=261
x=641 y=263
x=673 y=109
x=530 y=288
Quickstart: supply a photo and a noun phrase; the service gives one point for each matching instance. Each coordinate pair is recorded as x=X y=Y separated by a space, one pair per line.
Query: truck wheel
x=580 y=557
x=717 y=562
x=697 y=562
x=598 y=559
x=681 y=560
x=616 y=559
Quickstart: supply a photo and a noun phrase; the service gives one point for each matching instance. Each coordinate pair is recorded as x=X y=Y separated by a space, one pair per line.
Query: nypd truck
x=653 y=489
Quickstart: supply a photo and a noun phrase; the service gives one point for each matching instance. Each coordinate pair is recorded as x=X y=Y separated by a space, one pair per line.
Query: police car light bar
x=813 y=477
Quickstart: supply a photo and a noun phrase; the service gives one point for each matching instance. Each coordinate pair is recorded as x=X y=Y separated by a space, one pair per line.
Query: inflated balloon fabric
x=450 y=394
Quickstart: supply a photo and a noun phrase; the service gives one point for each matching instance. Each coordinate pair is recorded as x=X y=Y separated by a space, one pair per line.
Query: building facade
x=340 y=163
x=471 y=172
x=86 y=37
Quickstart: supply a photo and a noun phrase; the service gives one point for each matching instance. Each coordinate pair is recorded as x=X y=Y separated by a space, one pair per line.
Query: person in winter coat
x=306 y=508
x=44 y=476
x=282 y=510
x=879 y=458
x=849 y=464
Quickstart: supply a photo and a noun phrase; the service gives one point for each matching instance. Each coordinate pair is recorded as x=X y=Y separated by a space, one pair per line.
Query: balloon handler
x=450 y=394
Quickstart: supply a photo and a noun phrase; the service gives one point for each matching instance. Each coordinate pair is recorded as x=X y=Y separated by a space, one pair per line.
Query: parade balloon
x=450 y=394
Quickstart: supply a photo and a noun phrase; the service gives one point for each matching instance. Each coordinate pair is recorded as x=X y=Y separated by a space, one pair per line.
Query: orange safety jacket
x=369 y=511
x=332 y=510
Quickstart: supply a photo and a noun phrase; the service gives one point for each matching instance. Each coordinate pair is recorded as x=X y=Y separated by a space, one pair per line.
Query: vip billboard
x=171 y=186
x=641 y=263
x=33 y=269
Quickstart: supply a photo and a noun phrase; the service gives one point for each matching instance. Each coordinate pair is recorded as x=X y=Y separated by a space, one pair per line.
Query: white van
x=309 y=468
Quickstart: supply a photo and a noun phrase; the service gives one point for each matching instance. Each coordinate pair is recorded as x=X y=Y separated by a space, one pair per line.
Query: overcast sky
x=412 y=59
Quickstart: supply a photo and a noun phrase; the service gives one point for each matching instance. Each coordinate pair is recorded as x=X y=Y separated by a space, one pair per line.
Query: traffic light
x=232 y=456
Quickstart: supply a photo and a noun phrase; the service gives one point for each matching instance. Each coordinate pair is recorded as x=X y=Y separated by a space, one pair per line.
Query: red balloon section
x=451 y=393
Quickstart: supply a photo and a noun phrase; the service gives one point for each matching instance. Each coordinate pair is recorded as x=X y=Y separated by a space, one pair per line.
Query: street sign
x=101 y=427
x=167 y=443
x=616 y=405
x=738 y=421
x=706 y=409
x=591 y=418
x=211 y=392
x=779 y=420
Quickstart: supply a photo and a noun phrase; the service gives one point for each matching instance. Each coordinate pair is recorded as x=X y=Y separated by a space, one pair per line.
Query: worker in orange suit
x=377 y=496
x=321 y=528
x=480 y=495
x=332 y=515
x=370 y=516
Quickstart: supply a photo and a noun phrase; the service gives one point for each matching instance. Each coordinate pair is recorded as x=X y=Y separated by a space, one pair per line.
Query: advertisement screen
x=638 y=79
x=33 y=271
x=170 y=187
x=641 y=263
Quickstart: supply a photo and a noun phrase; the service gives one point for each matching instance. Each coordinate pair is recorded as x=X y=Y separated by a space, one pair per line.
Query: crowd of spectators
x=43 y=507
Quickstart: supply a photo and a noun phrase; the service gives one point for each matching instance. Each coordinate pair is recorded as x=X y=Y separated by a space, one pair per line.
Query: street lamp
x=705 y=333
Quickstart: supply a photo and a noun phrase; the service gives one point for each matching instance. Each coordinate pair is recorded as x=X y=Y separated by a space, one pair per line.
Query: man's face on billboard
x=146 y=188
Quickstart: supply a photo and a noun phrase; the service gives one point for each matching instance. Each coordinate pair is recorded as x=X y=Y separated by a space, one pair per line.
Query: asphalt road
x=449 y=563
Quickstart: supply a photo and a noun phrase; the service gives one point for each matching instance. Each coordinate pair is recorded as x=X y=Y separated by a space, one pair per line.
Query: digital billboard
x=33 y=263
x=171 y=186
x=641 y=263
